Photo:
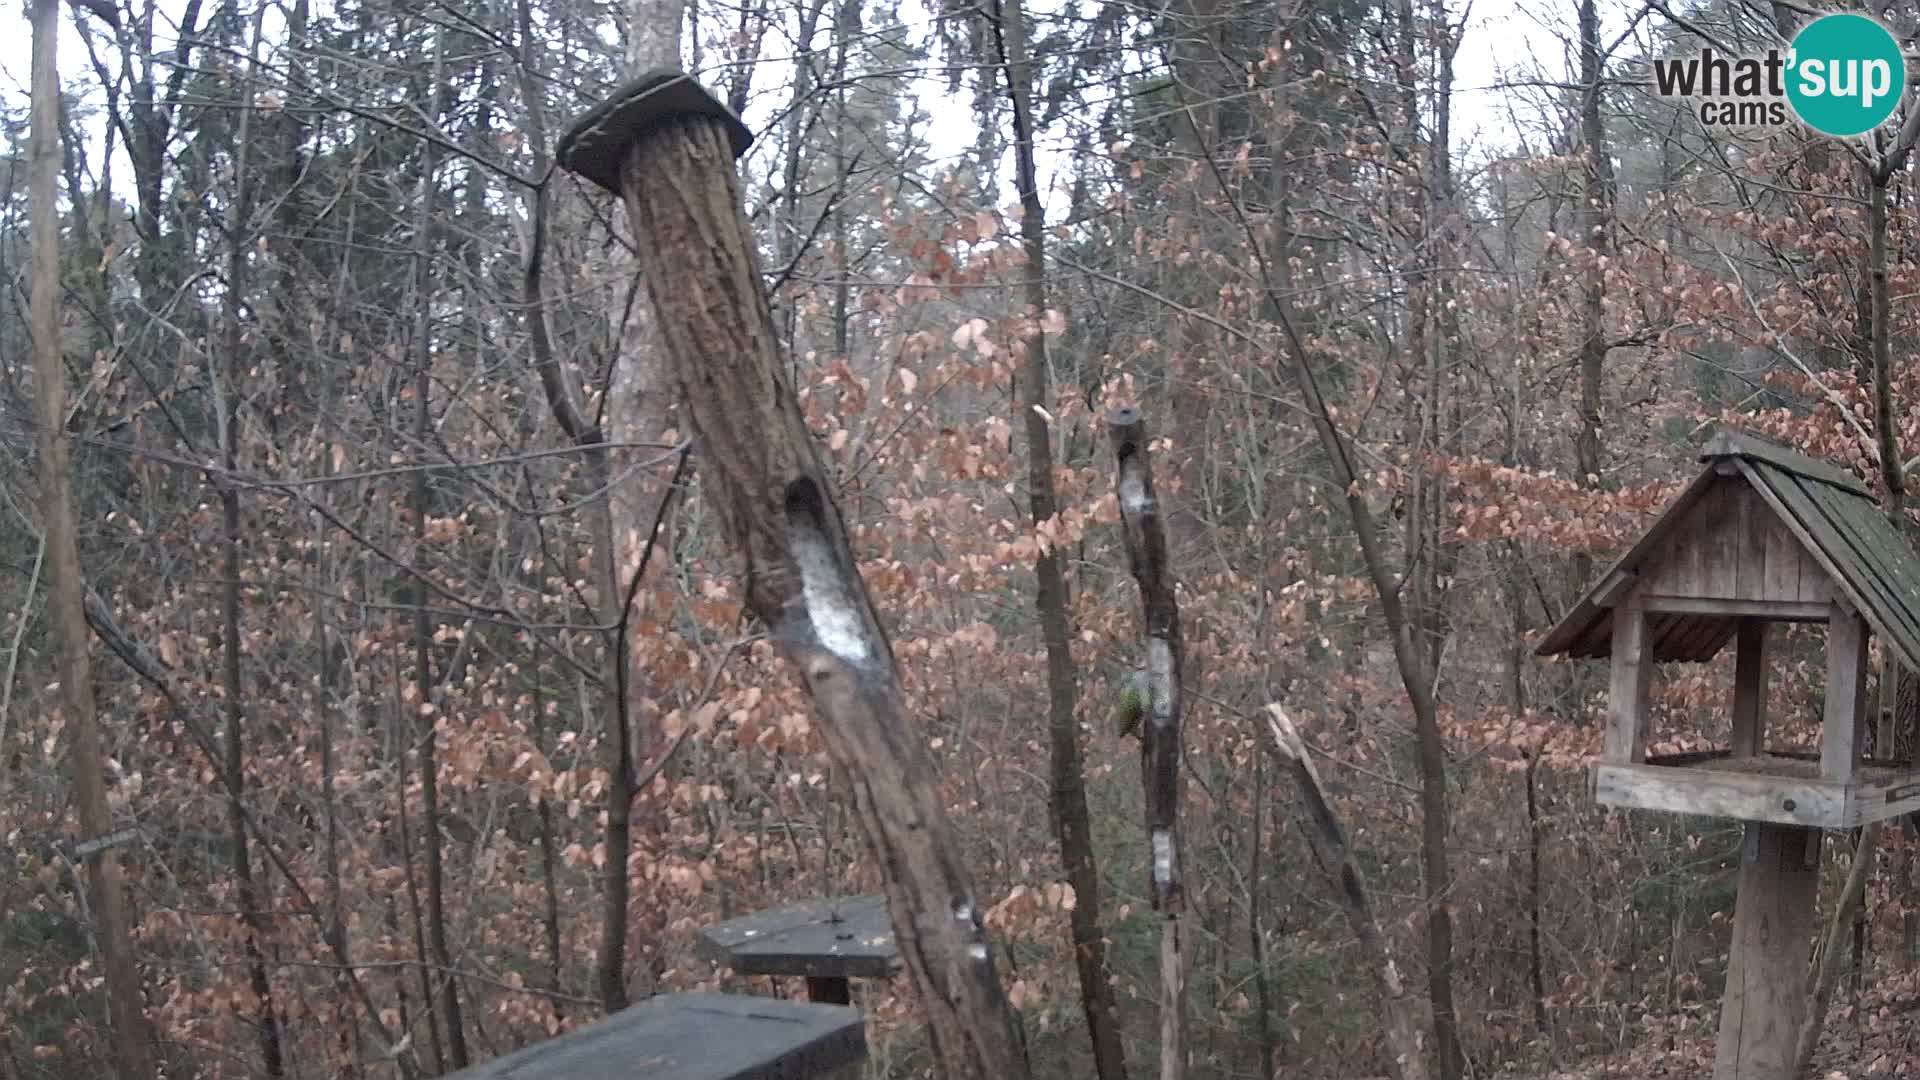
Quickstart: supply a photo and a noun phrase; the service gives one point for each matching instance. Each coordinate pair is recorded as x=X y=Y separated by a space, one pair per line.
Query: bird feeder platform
x=1762 y=536
x=694 y=1037
x=828 y=942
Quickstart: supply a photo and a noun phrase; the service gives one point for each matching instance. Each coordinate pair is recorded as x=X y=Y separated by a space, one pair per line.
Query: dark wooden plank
x=1807 y=522
x=1720 y=540
x=694 y=1037
x=1580 y=620
x=1776 y=610
x=1887 y=556
x=1784 y=555
x=1750 y=521
x=1880 y=566
x=1739 y=444
x=844 y=937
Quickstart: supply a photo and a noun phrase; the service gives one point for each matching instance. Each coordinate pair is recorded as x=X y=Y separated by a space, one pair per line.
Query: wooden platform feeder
x=1764 y=535
x=695 y=1037
x=829 y=942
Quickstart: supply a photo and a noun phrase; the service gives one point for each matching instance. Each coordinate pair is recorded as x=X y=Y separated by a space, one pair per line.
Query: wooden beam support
x=1843 y=725
x=1632 y=676
x=1750 y=688
x=1766 y=995
x=1775 y=610
x=1615 y=587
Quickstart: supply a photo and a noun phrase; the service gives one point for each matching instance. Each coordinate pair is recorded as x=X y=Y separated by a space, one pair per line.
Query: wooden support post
x=1750 y=688
x=1632 y=677
x=1766 y=994
x=667 y=147
x=829 y=990
x=1843 y=726
x=1160 y=746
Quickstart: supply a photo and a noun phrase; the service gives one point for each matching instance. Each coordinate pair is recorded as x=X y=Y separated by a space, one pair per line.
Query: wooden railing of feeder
x=667 y=147
x=1762 y=536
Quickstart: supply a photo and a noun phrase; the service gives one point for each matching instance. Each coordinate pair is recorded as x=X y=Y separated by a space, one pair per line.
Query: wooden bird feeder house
x=1762 y=536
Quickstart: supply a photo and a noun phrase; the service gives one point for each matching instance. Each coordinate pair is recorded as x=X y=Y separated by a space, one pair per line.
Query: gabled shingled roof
x=1832 y=514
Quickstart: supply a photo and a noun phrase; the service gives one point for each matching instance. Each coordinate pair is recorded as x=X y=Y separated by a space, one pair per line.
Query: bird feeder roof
x=1828 y=511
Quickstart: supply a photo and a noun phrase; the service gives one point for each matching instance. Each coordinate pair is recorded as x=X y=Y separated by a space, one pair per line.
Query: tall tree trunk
x=1068 y=775
x=1595 y=221
x=775 y=503
x=229 y=388
x=127 y=1018
x=421 y=507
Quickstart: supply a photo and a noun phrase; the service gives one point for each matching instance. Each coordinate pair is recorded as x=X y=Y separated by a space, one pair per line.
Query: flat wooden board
x=1722 y=793
x=694 y=1037
x=596 y=144
x=843 y=937
x=1759 y=789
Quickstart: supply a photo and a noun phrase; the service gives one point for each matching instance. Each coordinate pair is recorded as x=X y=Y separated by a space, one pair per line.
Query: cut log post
x=1766 y=995
x=1146 y=541
x=667 y=147
x=1400 y=1010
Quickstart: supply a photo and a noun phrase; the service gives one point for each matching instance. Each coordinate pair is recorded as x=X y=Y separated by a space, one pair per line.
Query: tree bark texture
x=773 y=498
x=1160 y=738
x=133 y=1046
x=234 y=344
x=1068 y=779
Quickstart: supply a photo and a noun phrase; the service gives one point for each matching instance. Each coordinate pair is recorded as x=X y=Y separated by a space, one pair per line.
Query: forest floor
x=1875 y=1035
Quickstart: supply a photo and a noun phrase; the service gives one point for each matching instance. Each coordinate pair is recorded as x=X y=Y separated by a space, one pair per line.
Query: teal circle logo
x=1845 y=74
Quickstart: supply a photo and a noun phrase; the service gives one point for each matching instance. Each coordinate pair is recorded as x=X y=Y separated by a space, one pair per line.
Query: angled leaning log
x=667 y=148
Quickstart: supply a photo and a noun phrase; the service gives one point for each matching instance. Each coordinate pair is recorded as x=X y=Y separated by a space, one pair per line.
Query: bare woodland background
x=365 y=465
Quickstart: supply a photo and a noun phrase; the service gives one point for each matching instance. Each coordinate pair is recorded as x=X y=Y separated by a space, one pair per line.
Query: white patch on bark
x=964 y=912
x=837 y=624
x=978 y=952
x=1160 y=680
x=1162 y=858
x=1133 y=492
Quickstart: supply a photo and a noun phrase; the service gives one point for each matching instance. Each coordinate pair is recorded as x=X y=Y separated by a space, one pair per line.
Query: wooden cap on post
x=596 y=145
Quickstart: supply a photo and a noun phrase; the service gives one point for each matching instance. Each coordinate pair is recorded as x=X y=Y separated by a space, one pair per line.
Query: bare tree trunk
x=1068 y=779
x=1256 y=931
x=1825 y=973
x=1415 y=679
x=622 y=516
x=1329 y=840
x=428 y=715
x=1160 y=748
x=228 y=387
x=774 y=501
x=127 y=1018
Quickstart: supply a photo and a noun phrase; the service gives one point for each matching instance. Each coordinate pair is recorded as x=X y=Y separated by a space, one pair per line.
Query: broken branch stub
x=667 y=147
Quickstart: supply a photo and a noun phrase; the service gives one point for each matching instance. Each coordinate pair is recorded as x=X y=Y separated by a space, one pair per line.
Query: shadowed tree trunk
x=421 y=506
x=1068 y=780
x=132 y=1043
x=228 y=388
